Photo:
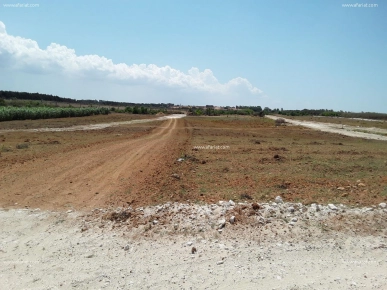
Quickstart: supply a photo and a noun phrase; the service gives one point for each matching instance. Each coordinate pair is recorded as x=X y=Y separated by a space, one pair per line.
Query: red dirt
x=107 y=173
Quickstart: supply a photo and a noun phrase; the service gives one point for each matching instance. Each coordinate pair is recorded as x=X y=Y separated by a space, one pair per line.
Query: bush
x=279 y=122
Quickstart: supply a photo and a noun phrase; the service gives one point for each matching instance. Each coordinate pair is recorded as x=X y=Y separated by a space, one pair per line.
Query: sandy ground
x=98 y=126
x=81 y=240
x=59 y=250
x=351 y=131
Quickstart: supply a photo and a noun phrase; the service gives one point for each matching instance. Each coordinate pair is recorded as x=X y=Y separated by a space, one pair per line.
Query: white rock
x=382 y=205
x=221 y=223
x=189 y=243
x=69 y=211
x=232 y=219
x=231 y=202
x=291 y=209
x=294 y=219
x=219 y=262
x=366 y=209
x=278 y=199
x=332 y=206
x=155 y=222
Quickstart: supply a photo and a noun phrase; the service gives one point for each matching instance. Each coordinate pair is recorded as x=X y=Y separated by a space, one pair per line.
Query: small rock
x=382 y=205
x=219 y=262
x=189 y=243
x=175 y=175
x=278 y=199
x=232 y=219
x=255 y=206
x=155 y=222
x=361 y=185
x=69 y=211
x=294 y=219
x=180 y=159
x=193 y=250
x=332 y=206
x=231 y=202
x=366 y=209
x=221 y=223
x=340 y=188
x=126 y=248
x=291 y=209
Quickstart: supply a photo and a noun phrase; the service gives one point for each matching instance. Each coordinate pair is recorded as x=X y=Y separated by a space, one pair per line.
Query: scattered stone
x=180 y=159
x=361 y=185
x=255 y=206
x=294 y=219
x=382 y=205
x=278 y=199
x=219 y=262
x=332 y=206
x=231 y=202
x=193 y=250
x=126 y=248
x=291 y=209
x=366 y=209
x=175 y=175
x=189 y=243
x=155 y=222
x=69 y=211
x=232 y=219
x=221 y=223
x=340 y=188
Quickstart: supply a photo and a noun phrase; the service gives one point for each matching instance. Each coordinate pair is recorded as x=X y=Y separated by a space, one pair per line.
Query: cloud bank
x=23 y=54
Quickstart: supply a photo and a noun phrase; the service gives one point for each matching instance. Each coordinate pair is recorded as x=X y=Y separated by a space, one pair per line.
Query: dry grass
x=261 y=162
x=264 y=161
x=67 y=122
x=341 y=121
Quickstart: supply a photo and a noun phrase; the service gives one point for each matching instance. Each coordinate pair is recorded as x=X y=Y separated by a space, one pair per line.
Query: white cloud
x=25 y=55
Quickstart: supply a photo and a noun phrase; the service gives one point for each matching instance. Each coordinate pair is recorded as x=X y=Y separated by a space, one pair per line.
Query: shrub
x=279 y=122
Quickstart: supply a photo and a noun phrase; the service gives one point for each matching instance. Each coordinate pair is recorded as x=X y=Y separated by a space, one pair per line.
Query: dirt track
x=351 y=131
x=111 y=173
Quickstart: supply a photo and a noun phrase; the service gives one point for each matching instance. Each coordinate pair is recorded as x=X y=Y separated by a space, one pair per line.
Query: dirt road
x=112 y=173
x=97 y=126
x=351 y=131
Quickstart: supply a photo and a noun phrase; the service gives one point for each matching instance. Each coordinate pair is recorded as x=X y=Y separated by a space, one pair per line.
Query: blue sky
x=289 y=54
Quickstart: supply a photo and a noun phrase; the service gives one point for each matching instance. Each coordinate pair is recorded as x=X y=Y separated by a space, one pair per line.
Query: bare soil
x=137 y=164
x=85 y=169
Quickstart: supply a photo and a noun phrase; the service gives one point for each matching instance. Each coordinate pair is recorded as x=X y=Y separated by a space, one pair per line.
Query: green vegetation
x=26 y=113
x=331 y=113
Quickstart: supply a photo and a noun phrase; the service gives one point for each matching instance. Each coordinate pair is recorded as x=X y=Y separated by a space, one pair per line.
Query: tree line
x=10 y=95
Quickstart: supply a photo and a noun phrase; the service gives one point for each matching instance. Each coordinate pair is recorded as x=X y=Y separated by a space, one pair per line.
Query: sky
x=277 y=54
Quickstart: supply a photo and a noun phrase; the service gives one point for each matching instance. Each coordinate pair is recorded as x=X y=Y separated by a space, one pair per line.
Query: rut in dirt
x=115 y=173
